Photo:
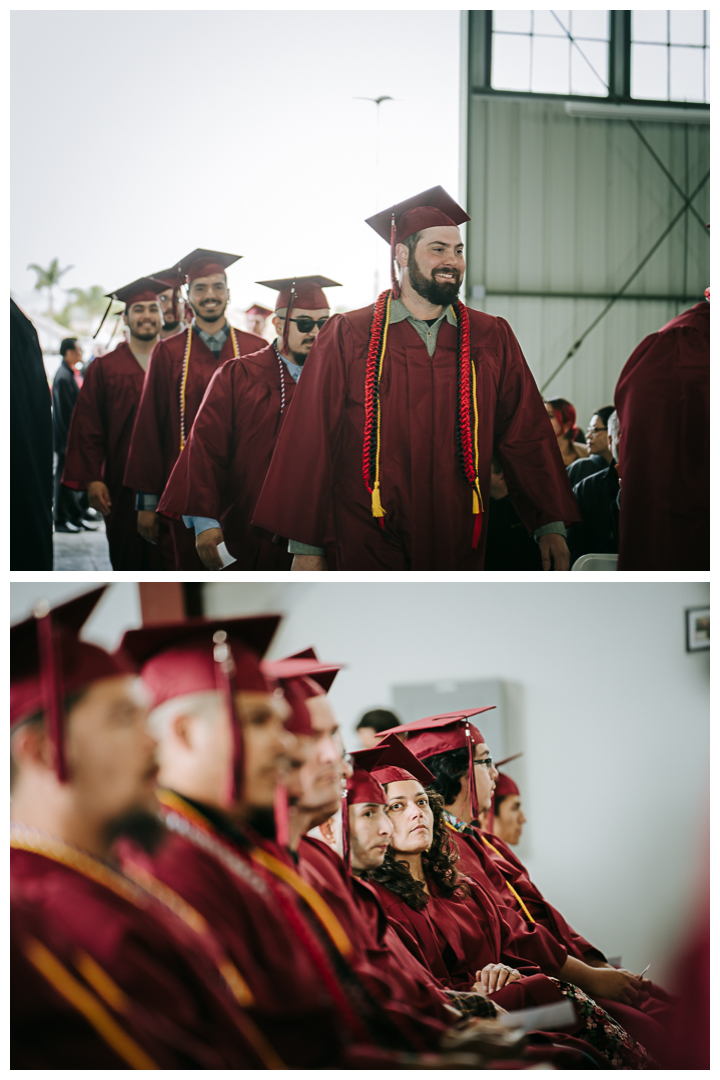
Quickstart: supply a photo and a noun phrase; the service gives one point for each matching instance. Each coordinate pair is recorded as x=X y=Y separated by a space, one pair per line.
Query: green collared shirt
x=428 y=333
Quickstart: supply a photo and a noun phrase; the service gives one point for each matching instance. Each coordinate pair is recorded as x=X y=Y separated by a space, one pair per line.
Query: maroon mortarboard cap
x=363 y=786
x=299 y=292
x=447 y=731
x=258 y=309
x=424 y=211
x=49 y=662
x=504 y=785
x=304 y=292
x=301 y=676
x=145 y=288
x=400 y=763
x=202 y=262
x=205 y=654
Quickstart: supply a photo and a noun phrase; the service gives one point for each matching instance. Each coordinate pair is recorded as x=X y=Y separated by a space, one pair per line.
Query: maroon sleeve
x=87 y=438
x=197 y=482
x=144 y=470
x=295 y=499
x=526 y=445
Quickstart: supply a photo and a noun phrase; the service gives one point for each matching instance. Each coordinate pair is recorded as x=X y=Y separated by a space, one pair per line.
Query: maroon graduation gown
x=221 y=470
x=97 y=449
x=297 y=1002
x=388 y=971
x=663 y=401
x=317 y=465
x=170 y=987
x=155 y=444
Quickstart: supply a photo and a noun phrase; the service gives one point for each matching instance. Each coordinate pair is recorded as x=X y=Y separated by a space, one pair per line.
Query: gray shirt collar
x=214 y=342
x=428 y=334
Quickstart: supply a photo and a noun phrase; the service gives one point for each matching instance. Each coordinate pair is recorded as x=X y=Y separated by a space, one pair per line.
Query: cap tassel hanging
x=52 y=686
x=282 y=816
x=472 y=788
x=345 y=817
x=393 y=272
x=107 y=311
x=224 y=678
x=286 y=331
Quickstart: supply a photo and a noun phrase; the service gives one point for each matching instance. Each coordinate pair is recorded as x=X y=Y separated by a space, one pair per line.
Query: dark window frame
x=619 y=48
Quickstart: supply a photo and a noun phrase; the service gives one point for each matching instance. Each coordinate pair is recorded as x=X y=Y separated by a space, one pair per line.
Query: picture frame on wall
x=697 y=629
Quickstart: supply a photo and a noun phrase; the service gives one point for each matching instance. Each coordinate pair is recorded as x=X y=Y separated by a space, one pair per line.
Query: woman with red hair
x=563 y=419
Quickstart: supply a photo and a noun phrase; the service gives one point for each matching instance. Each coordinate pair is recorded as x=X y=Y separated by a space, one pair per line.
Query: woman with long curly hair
x=460 y=932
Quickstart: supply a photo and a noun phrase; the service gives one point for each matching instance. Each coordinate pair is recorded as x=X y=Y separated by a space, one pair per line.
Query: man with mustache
x=400 y=409
x=217 y=479
x=178 y=375
x=102 y=424
x=170 y=307
x=83 y=773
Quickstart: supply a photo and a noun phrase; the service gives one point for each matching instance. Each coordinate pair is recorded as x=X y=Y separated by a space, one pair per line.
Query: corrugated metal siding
x=561 y=204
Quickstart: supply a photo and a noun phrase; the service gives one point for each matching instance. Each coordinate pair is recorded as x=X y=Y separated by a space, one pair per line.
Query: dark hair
x=378 y=720
x=411 y=241
x=438 y=863
x=605 y=413
x=67 y=343
x=565 y=412
x=449 y=769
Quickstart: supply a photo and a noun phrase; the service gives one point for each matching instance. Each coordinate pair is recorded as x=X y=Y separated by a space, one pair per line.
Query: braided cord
x=371 y=439
x=183 y=381
x=468 y=424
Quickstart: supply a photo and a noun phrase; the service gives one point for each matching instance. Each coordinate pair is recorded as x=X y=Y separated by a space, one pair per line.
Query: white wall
x=614 y=714
x=117 y=611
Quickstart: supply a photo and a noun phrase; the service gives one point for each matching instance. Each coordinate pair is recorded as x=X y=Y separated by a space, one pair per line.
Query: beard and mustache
x=432 y=290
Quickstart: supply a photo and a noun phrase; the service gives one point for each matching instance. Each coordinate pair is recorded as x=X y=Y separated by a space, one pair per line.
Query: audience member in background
x=171 y=306
x=67 y=510
x=597 y=499
x=508 y=818
x=563 y=419
x=509 y=544
x=256 y=318
x=598 y=444
x=663 y=400
x=31 y=455
x=372 y=723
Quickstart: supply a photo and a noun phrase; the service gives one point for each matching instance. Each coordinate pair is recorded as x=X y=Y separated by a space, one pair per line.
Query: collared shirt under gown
x=222 y=467
x=317 y=465
x=663 y=401
x=155 y=445
x=97 y=449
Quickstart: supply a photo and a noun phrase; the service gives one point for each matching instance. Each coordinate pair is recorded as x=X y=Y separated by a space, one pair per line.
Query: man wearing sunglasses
x=217 y=478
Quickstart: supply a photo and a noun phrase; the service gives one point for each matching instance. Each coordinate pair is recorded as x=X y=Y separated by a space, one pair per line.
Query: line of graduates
x=384 y=462
x=170 y=908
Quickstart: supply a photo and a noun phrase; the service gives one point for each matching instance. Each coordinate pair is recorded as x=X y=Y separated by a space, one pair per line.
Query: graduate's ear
x=402 y=255
x=278 y=325
x=180 y=726
x=327 y=830
x=30 y=747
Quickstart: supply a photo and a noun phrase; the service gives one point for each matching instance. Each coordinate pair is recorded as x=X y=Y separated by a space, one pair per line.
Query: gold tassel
x=376 y=507
x=476 y=502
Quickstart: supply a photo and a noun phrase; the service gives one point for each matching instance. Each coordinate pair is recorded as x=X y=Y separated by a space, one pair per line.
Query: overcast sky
x=139 y=136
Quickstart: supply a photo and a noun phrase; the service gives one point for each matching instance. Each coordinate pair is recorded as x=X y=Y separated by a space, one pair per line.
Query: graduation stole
x=183 y=379
x=467 y=409
x=463 y=827
x=184 y=819
x=138 y=890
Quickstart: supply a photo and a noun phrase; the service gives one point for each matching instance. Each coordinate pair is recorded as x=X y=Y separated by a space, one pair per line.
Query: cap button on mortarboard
x=41 y=608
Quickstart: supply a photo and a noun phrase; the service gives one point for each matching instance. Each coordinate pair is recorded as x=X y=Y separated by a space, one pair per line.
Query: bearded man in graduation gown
x=177 y=377
x=663 y=401
x=400 y=409
x=218 y=477
x=101 y=429
x=83 y=770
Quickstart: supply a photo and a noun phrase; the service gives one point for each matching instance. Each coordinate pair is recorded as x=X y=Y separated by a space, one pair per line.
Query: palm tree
x=92 y=301
x=48 y=278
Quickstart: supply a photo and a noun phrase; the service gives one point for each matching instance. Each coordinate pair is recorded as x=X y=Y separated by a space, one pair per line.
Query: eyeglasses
x=595 y=430
x=305 y=324
x=484 y=761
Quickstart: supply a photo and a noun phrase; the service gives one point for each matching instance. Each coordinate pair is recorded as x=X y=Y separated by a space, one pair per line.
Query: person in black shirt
x=67 y=511
x=597 y=499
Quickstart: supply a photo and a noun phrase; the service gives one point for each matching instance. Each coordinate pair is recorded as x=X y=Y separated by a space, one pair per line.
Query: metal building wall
x=562 y=205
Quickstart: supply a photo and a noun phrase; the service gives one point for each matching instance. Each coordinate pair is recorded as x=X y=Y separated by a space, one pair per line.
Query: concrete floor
x=81 y=551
